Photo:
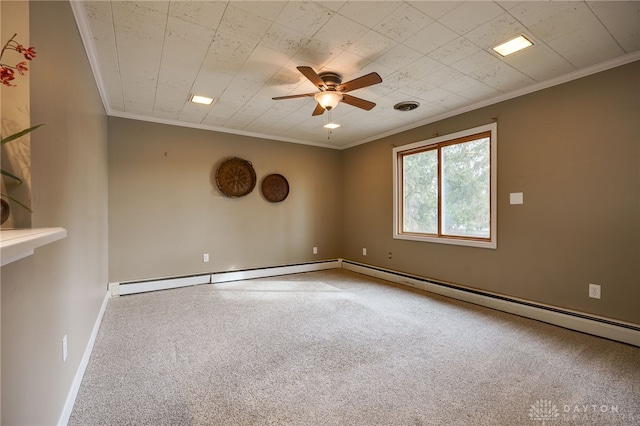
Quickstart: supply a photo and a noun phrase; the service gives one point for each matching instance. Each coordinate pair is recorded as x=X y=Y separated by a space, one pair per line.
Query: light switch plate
x=516 y=198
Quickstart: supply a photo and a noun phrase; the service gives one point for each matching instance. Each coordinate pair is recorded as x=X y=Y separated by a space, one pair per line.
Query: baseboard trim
x=63 y=420
x=247 y=274
x=134 y=287
x=574 y=320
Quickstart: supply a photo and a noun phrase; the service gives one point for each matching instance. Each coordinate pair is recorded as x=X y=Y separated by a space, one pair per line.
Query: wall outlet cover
x=594 y=291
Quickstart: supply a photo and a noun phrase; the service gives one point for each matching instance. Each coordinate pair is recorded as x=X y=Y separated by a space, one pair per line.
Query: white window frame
x=492 y=241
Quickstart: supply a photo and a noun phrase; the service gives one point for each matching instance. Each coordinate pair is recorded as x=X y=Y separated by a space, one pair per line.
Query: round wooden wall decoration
x=275 y=188
x=235 y=177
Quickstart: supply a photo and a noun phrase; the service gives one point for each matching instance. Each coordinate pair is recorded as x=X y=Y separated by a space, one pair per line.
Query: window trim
x=424 y=145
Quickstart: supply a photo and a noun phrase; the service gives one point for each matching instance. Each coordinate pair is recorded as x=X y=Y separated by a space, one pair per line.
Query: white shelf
x=18 y=243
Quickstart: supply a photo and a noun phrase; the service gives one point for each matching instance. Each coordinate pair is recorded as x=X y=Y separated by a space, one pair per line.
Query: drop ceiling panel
x=402 y=23
x=151 y=55
x=469 y=15
x=622 y=20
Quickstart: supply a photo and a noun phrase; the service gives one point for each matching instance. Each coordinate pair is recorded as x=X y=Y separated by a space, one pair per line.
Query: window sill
x=16 y=244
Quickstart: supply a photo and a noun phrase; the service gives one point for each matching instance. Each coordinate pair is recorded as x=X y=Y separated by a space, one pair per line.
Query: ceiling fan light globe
x=328 y=100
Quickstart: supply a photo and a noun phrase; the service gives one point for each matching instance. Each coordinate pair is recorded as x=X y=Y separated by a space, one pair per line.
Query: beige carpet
x=338 y=348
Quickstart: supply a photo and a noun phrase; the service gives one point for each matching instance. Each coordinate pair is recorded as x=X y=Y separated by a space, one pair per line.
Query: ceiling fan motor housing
x=331 y=79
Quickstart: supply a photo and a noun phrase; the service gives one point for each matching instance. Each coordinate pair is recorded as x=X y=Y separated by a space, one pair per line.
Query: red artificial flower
x=6 y=75
x=22 y=67
x=29 y=53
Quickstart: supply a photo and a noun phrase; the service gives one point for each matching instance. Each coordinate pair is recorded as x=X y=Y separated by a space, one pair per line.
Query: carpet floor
x=338 y=348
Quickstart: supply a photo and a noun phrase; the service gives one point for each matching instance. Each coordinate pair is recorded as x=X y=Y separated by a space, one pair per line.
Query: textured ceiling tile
x=304 y=17
x=223 y=108
x=622 y=20
x=578 y=36
x=423 y=67
x=98 y=11
x=444 y=98
x=539 y=62
x=226 y=49
x=398 y=80
x=372 y=45
x=444 y=76
x=194 y=113
x=532 y=12
x=282 y=83
x=470 y=15
x=500 y=29
x=436 y=9
x=403 y=23
x=283 y=39
x=417 y=88
x=204 y=13
x=471 y=89
x=454 y=51
x=398 y=57
x=318 y=51
x=144 y=17
x=185 y=34
x=430 y=38
x=212 y=84
x=265 y=9
x=348 y=64
x=173 y=90
x=509 y=4
x=341 y=32
x=243 y=25
x=167 y=107
x=490 y=70
x=368 y=13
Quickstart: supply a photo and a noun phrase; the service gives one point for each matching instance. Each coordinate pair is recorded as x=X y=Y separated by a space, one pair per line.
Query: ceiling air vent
x=406 y=106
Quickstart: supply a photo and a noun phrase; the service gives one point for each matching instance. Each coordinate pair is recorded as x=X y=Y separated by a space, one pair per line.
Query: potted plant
x=7 y=76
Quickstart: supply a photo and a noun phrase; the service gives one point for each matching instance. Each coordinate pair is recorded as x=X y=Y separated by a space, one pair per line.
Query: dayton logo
x=543 y=410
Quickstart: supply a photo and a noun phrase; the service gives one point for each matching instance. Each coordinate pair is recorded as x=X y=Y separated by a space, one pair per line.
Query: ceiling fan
x=333 y=90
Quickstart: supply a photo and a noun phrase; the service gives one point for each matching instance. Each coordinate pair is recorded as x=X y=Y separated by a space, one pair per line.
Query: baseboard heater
x=578 y=321
x=142 y=286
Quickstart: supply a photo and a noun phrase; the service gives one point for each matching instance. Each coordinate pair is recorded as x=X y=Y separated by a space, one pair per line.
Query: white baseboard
x=77 y=379
x=578 y=321
x=221 y=277
x=122 y=289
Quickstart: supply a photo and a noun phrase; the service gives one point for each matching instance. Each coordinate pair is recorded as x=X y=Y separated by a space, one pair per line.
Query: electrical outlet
x=594 y=291
x=64 y=348
x=389 y=255
x=364 y=251
x=205 y=257
x=315 y=250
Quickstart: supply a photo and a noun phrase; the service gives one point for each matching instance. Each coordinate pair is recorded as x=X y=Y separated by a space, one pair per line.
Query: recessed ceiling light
x=331 y=126
x=513 y=45
x=201 y=100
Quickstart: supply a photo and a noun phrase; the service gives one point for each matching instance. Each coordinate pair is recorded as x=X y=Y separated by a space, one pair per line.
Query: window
x=445 y=189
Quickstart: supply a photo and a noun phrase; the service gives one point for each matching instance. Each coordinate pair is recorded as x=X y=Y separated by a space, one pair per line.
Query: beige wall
x=59 y=289
x=165 y=209
x=574 y=150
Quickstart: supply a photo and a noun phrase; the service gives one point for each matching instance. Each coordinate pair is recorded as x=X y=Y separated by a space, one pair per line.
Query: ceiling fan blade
x=360 y=82
x=319 y=110
x=306 y=95
x=313 y=77
x=357 y=102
